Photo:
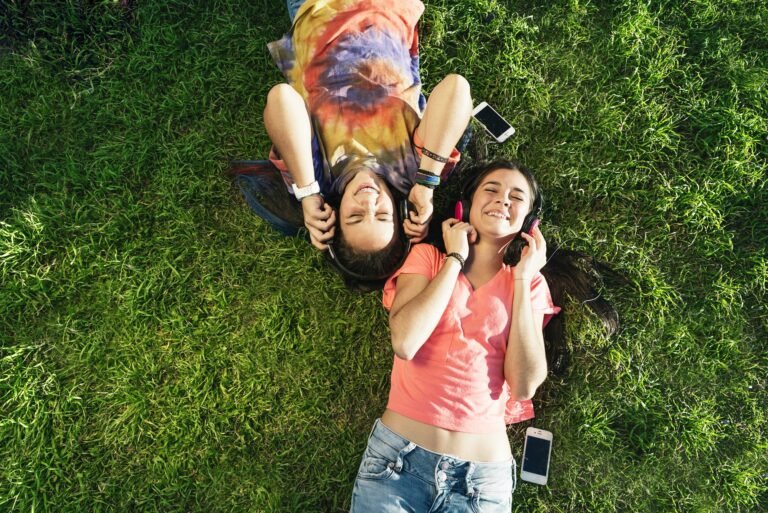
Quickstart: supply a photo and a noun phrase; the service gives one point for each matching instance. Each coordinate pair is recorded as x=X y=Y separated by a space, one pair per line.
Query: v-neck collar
x=472 y=288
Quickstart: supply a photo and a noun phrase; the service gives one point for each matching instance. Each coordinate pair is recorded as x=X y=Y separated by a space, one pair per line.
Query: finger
x=320 y=235
x=415 y=218
x=321 y=214
x=411 y=229
x=531 y=241
x=415 y=237
x=464 y=227
x=420 y=230
x=327 y=235
x=317 y=224
x=448 y=223
x=472 y=235
x=326 y=225
x=319 y=245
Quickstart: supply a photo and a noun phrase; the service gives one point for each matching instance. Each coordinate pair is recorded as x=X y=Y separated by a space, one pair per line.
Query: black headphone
x=334 y=259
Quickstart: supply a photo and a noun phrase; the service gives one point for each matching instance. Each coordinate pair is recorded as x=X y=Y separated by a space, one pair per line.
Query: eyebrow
x=498 y=184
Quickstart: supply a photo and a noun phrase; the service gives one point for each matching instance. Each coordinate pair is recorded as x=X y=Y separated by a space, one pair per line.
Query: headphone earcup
x=528 y=222
x=465 y=206
x=458 y=210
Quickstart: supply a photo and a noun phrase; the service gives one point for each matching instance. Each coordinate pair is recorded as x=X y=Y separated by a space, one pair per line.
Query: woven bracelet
x=457 y=257
x=433 y=156
x=427 y=179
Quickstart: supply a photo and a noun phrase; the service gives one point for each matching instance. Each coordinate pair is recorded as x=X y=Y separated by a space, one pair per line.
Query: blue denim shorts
x=397 y=475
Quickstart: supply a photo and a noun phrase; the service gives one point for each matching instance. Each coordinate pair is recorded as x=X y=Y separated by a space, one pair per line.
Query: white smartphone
x=493 y=123
x=536 y=452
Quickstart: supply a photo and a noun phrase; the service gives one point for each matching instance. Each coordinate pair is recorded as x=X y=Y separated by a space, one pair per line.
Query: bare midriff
x=487 y=447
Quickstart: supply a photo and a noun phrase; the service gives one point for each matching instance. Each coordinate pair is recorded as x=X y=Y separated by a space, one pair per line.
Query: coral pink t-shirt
x=456 y=379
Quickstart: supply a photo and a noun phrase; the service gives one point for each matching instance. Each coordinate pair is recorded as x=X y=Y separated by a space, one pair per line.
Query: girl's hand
x=457 y=237
x=534 y=255
x=421 y=199
x=320 y=220
x=415 y=230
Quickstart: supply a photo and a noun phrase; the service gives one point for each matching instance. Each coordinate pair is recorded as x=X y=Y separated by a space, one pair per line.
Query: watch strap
x=308 y=190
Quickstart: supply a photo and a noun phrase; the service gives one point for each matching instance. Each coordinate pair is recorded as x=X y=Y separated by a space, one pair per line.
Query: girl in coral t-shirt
x=469 y=354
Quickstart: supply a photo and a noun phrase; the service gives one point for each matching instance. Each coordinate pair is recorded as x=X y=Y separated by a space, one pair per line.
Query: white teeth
x=496 y=214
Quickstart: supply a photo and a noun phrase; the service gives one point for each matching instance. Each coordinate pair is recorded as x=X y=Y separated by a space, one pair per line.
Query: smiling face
x=500 y=204
x=367 y=212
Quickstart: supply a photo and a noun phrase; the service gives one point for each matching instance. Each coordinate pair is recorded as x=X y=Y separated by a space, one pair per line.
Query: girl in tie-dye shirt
x=350 y=118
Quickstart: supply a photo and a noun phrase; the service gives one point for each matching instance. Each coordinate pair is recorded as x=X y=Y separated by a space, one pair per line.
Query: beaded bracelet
x=427 y=179
x=457 y=257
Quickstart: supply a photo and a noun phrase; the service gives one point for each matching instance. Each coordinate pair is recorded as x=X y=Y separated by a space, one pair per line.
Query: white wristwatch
x=308 y=190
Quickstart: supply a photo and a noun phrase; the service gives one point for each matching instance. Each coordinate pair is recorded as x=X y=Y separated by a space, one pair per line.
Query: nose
x=504 y=200
x=368 y=201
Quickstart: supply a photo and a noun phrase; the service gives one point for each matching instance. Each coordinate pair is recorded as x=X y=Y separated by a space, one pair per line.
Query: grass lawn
x=162 y=349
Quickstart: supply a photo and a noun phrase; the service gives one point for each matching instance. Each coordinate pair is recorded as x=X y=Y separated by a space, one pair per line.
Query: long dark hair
x=569 y=274
x=266 y=194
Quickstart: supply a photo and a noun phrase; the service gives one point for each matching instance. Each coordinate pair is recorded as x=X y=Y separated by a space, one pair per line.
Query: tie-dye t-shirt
x=356 y=64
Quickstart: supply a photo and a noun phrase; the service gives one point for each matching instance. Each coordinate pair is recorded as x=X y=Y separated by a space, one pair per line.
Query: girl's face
x=367 y=212
x=500 y=204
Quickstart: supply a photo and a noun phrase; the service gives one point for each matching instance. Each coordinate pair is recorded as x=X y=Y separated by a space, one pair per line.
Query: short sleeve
x=423 y=259
x=518 y=411
x=541 y=299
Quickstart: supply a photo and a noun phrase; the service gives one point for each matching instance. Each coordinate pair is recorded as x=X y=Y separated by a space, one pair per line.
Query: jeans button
x=445 y=465
x=441 y=476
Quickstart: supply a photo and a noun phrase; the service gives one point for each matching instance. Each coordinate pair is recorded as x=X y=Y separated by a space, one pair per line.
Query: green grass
x=162 y=349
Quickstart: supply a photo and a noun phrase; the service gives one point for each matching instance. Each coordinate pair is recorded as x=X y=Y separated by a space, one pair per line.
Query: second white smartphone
x=493 y=123
x=536 y=452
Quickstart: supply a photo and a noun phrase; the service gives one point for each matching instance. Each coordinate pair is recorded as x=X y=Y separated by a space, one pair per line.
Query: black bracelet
x=434 y=156
x=457 y=257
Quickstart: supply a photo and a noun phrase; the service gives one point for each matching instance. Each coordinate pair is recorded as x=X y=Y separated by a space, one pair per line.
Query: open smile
x=367 y=188
x=498 y=214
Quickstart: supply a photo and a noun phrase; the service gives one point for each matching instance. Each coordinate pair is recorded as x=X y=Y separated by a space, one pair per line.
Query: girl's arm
x=288 y=125
x=446 y=116
x=420 y=302
x=525 y=363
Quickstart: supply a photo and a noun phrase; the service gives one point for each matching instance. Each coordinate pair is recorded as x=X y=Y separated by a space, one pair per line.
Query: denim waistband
x=443 y=470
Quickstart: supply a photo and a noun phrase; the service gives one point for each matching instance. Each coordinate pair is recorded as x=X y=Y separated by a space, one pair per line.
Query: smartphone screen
x=535 y=459
x=492 y=121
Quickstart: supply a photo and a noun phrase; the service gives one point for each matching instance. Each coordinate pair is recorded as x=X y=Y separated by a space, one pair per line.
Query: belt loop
x=470 y=487
x=402 y=454
x=375 y=425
